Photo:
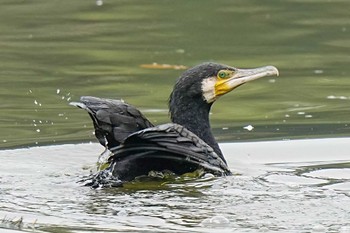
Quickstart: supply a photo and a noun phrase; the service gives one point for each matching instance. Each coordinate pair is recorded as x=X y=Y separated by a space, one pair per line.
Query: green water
x=52 y=52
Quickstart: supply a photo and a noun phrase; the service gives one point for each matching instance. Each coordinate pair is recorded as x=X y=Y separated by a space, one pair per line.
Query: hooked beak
x=241 y=76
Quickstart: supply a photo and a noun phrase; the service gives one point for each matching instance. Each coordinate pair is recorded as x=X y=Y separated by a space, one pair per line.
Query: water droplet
x=318 y=71
x=99 y=2
x=248 y=127
x=180 y=51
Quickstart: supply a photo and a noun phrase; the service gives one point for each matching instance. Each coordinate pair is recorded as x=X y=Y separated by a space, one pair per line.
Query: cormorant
x=185 y=145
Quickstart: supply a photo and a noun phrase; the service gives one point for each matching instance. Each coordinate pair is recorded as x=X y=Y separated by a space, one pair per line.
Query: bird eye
x=223 y=74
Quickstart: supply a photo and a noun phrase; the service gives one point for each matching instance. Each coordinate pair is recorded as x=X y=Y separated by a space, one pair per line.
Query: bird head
x=198 y=88
x=209 y=81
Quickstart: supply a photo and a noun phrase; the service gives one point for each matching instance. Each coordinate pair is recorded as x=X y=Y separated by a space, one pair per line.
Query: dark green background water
x=52 y=52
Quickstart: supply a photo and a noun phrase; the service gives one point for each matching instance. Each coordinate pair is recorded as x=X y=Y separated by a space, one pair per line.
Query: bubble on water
x=308 y=116
x=122 y=213
x=58 y=91
x=301 y=113
x=319 y=228
x=38 y=130
x=287 y=115
x=4 y=140
x=216 y=221
x=224 y=128
x=35 y=102
x=264 y=229
x=30 y=91
x=272 y=80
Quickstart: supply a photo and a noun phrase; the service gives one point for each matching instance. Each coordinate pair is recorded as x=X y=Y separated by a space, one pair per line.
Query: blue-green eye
x=223 y=74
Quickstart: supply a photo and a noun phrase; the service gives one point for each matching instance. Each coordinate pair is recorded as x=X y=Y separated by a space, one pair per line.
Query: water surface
x=275 y=189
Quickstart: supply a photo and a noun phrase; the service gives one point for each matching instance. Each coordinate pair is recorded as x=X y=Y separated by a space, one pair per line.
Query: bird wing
x=114 y=120
x=165 y=147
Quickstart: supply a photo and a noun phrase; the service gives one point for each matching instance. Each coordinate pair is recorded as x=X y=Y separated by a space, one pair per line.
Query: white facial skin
x=213 y=87
x=208 y=89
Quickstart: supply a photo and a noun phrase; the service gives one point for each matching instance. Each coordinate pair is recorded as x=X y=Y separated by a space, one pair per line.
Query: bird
x=137 y=147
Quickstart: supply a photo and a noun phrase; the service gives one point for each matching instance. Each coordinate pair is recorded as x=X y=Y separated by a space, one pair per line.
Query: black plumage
x=185 y=145
x=113 y=120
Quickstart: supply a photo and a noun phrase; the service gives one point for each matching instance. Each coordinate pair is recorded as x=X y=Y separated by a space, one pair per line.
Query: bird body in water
x=185 y=145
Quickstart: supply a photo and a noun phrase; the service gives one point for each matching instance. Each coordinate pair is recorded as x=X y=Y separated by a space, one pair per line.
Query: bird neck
x=195 y=117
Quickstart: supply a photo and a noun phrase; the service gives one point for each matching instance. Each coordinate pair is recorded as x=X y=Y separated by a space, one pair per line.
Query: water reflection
x=96 y=48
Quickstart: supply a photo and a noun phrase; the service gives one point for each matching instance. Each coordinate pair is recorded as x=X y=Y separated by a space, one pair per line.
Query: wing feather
x=169 y=147
x=114 y=120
